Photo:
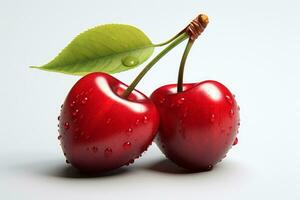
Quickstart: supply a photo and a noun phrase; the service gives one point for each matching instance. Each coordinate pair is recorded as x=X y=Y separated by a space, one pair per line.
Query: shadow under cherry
x=55 y=168
x=165 y=165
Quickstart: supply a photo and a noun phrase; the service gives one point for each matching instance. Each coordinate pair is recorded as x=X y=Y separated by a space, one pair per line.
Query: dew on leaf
x=130 y=61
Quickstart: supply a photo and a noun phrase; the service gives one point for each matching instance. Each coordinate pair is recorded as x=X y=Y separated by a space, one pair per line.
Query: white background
x=250 y=46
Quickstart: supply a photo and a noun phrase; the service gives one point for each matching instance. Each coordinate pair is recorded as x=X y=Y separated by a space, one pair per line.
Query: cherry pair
x=105 y=124
x=101 y=130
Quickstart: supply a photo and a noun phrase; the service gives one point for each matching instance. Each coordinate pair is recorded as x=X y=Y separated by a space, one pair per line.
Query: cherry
x=198 y=125
x=100 y=130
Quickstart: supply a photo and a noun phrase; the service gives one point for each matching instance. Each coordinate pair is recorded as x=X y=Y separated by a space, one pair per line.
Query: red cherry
x=197 y=126
x=100 y=130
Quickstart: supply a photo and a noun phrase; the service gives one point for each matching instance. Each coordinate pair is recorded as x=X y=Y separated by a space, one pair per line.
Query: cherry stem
x=169 y=41
x=176 y=40
x=182 y=64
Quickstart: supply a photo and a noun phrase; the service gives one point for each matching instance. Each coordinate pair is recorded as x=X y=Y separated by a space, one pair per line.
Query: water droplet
x=209 y=167
x=235 y=141
x=127 y=145
x=228 y=98
x=58 y=118
x=212 y=118
x=145 y=119
x=66 y=125
x=130 y=162
x=162 y=100
x=144 y=148
x=108 y=120
x=108 y=152
x=130 y=61
x=75 y=120
x=87 y=136
x=94 y=149
x=137 y=122
x=84 y=100
x=75 y=112
x=185 y=114
x=59 y=137
x=180 y=101
x=231 y=112
x=67 y=161
x=129 y=130
x=72 y=104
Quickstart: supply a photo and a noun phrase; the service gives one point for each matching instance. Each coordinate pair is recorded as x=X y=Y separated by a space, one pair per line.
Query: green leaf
x=108 y=48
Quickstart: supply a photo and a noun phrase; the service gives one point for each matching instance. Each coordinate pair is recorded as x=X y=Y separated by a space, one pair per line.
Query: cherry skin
x=99 y=130
x=197 y=126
